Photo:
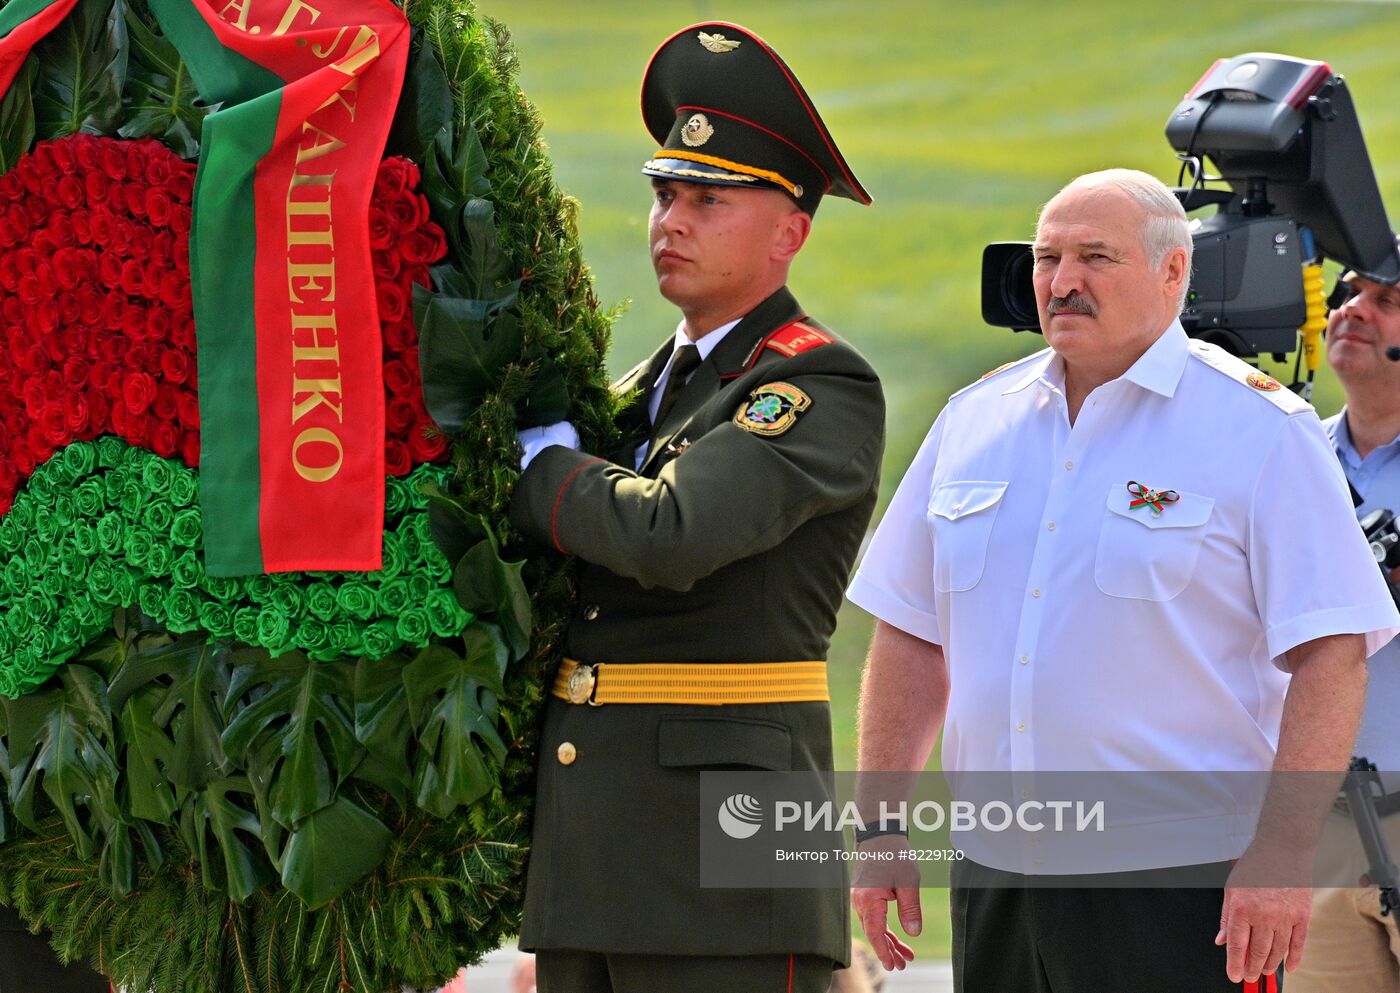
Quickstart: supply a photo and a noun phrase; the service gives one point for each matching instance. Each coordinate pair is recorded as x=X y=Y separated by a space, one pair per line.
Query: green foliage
x=17 y=116
x=82 y=70
x=160 y=99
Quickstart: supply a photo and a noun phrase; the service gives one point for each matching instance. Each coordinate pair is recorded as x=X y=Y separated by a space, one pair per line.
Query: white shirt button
x=1035 y=592
x=1069 y=466
x=1050 y=526
x=1025 y=660
x=1021 y=726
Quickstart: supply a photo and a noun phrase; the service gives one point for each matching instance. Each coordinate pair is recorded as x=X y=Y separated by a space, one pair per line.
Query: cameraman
x=1351 y=947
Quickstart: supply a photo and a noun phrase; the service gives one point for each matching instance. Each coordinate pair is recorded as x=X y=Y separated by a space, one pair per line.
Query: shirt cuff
x=1377 y=620
x=876 y=600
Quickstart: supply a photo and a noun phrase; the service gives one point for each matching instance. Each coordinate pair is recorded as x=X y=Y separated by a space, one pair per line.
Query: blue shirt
x=1377 y=479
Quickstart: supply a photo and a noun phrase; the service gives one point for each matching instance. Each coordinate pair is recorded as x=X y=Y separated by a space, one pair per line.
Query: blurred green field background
x=960 y=119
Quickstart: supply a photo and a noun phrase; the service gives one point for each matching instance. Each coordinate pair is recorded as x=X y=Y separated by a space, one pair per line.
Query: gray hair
x=1163 y=228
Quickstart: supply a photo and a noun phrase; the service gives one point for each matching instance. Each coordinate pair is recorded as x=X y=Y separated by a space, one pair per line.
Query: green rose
x=72 y=563
x=184 y=487
x=11 y=537
x=21 y=515
x=132 y=499
x=101 y=581
x=223 y=588
x=111 y=534
x=112 y=484
x=313 y=635
x=320 y=601
x=355 y=599
x=392 y=598
x=185 y=571
x=420 y=587
x=88 y=499
x=287 y=599
x=181 y=610
x=36 y=552
x=76 y=462
x=110 y=451
x=216 y=618
x=158 y=560
x=245 y=625
x=379 y=639
x=51 y=583
x=16 y=575
x=445 y=614
x=396 y=499
x=412 y=627
x=157 y=515
x=273 y=629
x=137 y=546
x=123 y=586
x=150 y=598
x=343 y=639
x=187 y=528
x=156 y=474
x=394 y=557
x=68 y=633
x=44 y=527
x=258 y=588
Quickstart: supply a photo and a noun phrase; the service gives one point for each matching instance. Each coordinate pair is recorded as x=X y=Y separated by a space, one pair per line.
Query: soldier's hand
x=875 y=885
x=535 y=440
x=1264 y=926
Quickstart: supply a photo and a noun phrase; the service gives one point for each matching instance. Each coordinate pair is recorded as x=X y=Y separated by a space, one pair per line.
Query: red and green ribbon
x=290 y=375
x=1145 y=497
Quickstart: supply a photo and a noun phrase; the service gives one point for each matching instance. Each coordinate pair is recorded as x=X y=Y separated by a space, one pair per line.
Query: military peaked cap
x=727 y=110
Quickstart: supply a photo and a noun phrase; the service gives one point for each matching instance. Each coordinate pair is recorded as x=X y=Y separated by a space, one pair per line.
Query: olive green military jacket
x=733 y=543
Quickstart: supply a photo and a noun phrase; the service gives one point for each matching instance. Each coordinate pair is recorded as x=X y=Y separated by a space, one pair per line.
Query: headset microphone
x=1393 y=353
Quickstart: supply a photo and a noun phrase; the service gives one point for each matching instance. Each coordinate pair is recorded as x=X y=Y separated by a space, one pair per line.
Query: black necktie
x=686 y=359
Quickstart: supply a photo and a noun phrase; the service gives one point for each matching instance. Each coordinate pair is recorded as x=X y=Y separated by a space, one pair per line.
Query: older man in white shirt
x=1129 y=552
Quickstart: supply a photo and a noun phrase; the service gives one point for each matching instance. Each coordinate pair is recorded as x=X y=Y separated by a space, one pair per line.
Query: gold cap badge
x=717 y=43
x=697 y=130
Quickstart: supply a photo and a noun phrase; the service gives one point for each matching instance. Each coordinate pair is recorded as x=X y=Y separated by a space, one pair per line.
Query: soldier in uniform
x=714 y=549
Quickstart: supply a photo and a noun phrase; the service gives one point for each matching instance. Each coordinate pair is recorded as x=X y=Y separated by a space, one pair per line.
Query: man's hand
x=535 y=440
x=1264 y=927
x=871 y=894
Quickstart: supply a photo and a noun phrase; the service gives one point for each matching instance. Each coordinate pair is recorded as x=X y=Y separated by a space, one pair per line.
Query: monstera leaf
x=452 y=704
x=219 y=828
x=161 y=99
x=292 y=706
x=17 y=117
x=425 y=105
x=82 y=69
x=464 y=344
x=191 y=680
x=382 y=726
x=331 y=849
x=61 y=733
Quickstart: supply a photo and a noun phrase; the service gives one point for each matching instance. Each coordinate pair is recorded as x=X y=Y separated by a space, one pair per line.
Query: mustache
x=1072 y=304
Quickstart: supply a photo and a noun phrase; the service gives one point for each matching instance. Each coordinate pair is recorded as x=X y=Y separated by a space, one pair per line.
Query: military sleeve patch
x=772 y=409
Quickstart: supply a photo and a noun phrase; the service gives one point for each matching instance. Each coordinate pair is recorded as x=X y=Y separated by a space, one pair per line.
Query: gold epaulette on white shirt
x=1000 y=370
x=1249 y=377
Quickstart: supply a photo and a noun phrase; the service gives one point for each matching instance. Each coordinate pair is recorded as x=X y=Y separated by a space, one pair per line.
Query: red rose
x=121 y=235
x=174 y=290
x=116 y=199
x=397 y=461
x=11 y=188
x=407 y=210
x=66 y=269
x=174 y=366
x=138 y=429
x=426 y=244
x=90 y=304
x=427 y=445
x=135 y=159
x=85 y=151
x=395 y=175
x=399 y=416
x=138 y=391
x=386 y=265
x=109 y=268
x=55 y=424
x=70 y=192
x=101 y=224
x=114 y=160
x=189 y=449
x=179 y=219
x=158 y=329
x=158 y=169
x=28 y=174
x=157 y=206
x=181 y=185
x=393 y=302
x=75 y=412
x=29 y=291
x=134 y=326
x=9 y=272
x=164 y=405
x=101 y=409
x=187 y=403
x=165 y=439
x=97 y=187
x=182 y=331
x=399 y=335
x=99 y=374
x=75 y=373
x=68 y=309
x=181 y=251
x=141 y=242
x=397 y=379
x=381 y=232
x=133 y=274
x=34 y=399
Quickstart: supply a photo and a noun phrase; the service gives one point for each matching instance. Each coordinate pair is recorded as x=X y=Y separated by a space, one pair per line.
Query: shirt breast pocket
x=1147 y=556
x=961 y=515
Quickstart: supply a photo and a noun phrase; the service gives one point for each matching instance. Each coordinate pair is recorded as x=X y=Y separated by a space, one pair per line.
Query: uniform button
x=1025 y=794
x=567 y=753
x=1036 y=592
x=1025 y=660
x=1050 y=526
x=1021 y=726
x=1069 y=466
x=590 y=613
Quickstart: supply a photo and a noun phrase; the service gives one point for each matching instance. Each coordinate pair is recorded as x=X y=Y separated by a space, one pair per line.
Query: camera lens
x=1018 y=290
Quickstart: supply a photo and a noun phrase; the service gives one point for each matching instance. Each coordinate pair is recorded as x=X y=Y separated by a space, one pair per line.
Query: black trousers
x=564 y=971
x=29 y=965
x=1146 y=933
